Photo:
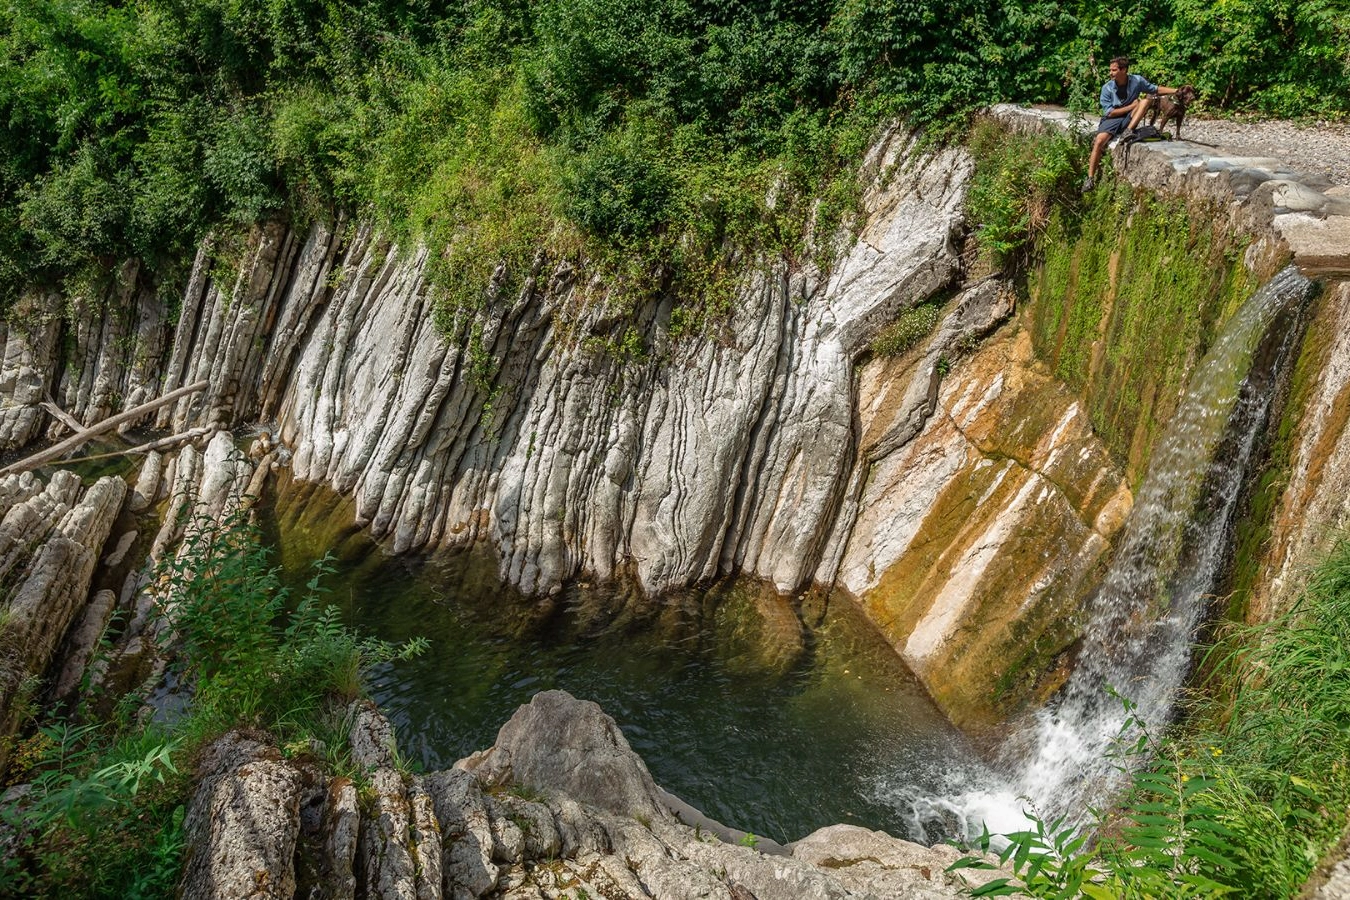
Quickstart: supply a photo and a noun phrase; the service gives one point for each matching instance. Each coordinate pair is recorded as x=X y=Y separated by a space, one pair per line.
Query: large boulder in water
x=559 y=745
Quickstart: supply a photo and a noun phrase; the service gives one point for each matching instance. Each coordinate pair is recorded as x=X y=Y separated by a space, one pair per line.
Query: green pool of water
x=762 y=722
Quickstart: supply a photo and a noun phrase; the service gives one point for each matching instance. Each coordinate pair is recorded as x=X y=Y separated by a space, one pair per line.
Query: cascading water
x=1143 y=618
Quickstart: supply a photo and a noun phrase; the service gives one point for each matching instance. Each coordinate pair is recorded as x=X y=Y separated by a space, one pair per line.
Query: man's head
x=1120 y=70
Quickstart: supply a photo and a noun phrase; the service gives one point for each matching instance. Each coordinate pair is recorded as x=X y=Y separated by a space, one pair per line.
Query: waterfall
x=1143 y=618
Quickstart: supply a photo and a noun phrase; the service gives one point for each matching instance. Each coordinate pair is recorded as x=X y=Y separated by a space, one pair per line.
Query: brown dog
x=1173 y=108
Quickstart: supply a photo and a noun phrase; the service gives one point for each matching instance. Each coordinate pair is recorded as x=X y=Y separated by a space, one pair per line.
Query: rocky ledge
x=1289 y=211
x=558 y=807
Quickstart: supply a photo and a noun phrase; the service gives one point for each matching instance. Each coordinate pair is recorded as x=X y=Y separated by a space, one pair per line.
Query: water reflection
x=764 y=723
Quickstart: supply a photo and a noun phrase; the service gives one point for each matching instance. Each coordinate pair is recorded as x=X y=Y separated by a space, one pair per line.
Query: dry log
x=56 y=451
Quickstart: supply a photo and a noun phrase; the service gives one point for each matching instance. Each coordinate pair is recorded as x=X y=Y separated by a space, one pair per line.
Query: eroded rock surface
x=522 y=427
x=453 y=835
x=975 y=540
x=585 y=758
x=243 y=823
x=51 y=538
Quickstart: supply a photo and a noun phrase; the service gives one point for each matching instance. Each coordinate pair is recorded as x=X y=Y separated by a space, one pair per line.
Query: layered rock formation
x=51 y=537
x=559 y=807
x=55 y=536
x=520 y=427
x=960 y=493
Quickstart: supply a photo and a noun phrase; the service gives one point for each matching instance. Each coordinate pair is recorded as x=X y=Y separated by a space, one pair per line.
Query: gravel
x=1318 y=148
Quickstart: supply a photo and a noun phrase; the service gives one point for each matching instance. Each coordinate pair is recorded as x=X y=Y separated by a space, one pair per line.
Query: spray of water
x=1142 y=621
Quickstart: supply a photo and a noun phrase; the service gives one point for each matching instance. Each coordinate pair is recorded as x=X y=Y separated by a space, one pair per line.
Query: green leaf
x=999 y=887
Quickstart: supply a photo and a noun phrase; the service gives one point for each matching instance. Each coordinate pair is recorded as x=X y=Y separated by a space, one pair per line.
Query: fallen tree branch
x=56 y=451
x=163 y=443
x=60 y=415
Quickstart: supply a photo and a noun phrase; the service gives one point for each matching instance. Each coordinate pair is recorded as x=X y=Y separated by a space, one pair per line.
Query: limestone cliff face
x=1312 y=460
x=967 y=494
x=976 y=542
x=519 y=427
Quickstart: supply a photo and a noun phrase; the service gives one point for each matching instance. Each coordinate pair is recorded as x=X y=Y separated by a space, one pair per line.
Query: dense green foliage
x=678 y=133
x=1245 y=798
x=105 y=814
x=1017 y=183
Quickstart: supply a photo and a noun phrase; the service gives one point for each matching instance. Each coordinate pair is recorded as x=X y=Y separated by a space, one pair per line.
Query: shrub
x=1017 y=182
x=104 y=815
x=913 y=326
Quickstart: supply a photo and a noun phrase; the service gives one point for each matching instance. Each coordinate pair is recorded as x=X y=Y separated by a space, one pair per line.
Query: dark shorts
x=1113 y=126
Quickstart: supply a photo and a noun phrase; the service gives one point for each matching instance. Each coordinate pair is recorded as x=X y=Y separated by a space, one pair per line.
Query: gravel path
x=1320 y=148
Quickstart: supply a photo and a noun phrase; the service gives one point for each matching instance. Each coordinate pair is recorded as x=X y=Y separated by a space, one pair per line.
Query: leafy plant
x=1244 y=798
x=913 y=325
x=104 y=813
x=1017 y=182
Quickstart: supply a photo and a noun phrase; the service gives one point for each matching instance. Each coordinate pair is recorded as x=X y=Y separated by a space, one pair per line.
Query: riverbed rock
x=146 y=490
x=461 y=808
x=384 y=854
x=242 y=824
x=256 y=820
x=873 y=861
x=50 y=544
x=557 y=744
x=81 y=642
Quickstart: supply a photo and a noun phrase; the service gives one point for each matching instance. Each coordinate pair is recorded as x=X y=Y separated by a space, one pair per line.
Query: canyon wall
x=967 y=493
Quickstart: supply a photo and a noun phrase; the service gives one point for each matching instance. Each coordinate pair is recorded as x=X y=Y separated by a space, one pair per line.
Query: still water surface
x=771 y=740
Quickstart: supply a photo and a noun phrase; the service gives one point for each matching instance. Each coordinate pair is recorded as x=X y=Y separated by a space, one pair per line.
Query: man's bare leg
x=1098 y=148
x=1145 y=104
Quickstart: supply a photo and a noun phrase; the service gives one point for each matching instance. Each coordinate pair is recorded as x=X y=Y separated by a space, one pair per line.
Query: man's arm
x=1151 y=88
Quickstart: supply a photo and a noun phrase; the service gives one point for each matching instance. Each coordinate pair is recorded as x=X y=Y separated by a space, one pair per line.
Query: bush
x=914 y=325
x=104 y=815
x=1017 y=181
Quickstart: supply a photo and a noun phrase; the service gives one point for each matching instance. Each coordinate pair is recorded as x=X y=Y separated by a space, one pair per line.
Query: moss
x=1252 y=532
x=1129 y=294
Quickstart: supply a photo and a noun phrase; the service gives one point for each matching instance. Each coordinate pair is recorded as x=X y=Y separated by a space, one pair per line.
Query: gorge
x=1040 y=498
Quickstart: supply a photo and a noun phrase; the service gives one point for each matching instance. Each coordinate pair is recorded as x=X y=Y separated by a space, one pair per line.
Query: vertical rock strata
x=522 y=425
x=1314 y=508
x=960 y=495
x=50 y=541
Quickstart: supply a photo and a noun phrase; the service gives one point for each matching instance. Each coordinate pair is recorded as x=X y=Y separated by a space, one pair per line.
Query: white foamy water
x=1143 y=618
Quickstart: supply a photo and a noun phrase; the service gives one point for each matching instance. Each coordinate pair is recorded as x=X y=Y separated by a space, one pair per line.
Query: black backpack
x=1145 y=133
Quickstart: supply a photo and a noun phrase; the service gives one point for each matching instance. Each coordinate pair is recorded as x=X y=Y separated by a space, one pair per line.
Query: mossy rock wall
x=1129 y=295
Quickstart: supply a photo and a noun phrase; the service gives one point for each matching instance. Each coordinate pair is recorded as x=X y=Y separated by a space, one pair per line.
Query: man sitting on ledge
x=1125 y=99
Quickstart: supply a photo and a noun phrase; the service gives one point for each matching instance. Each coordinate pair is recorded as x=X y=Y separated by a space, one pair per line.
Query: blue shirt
x=1113 y=96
